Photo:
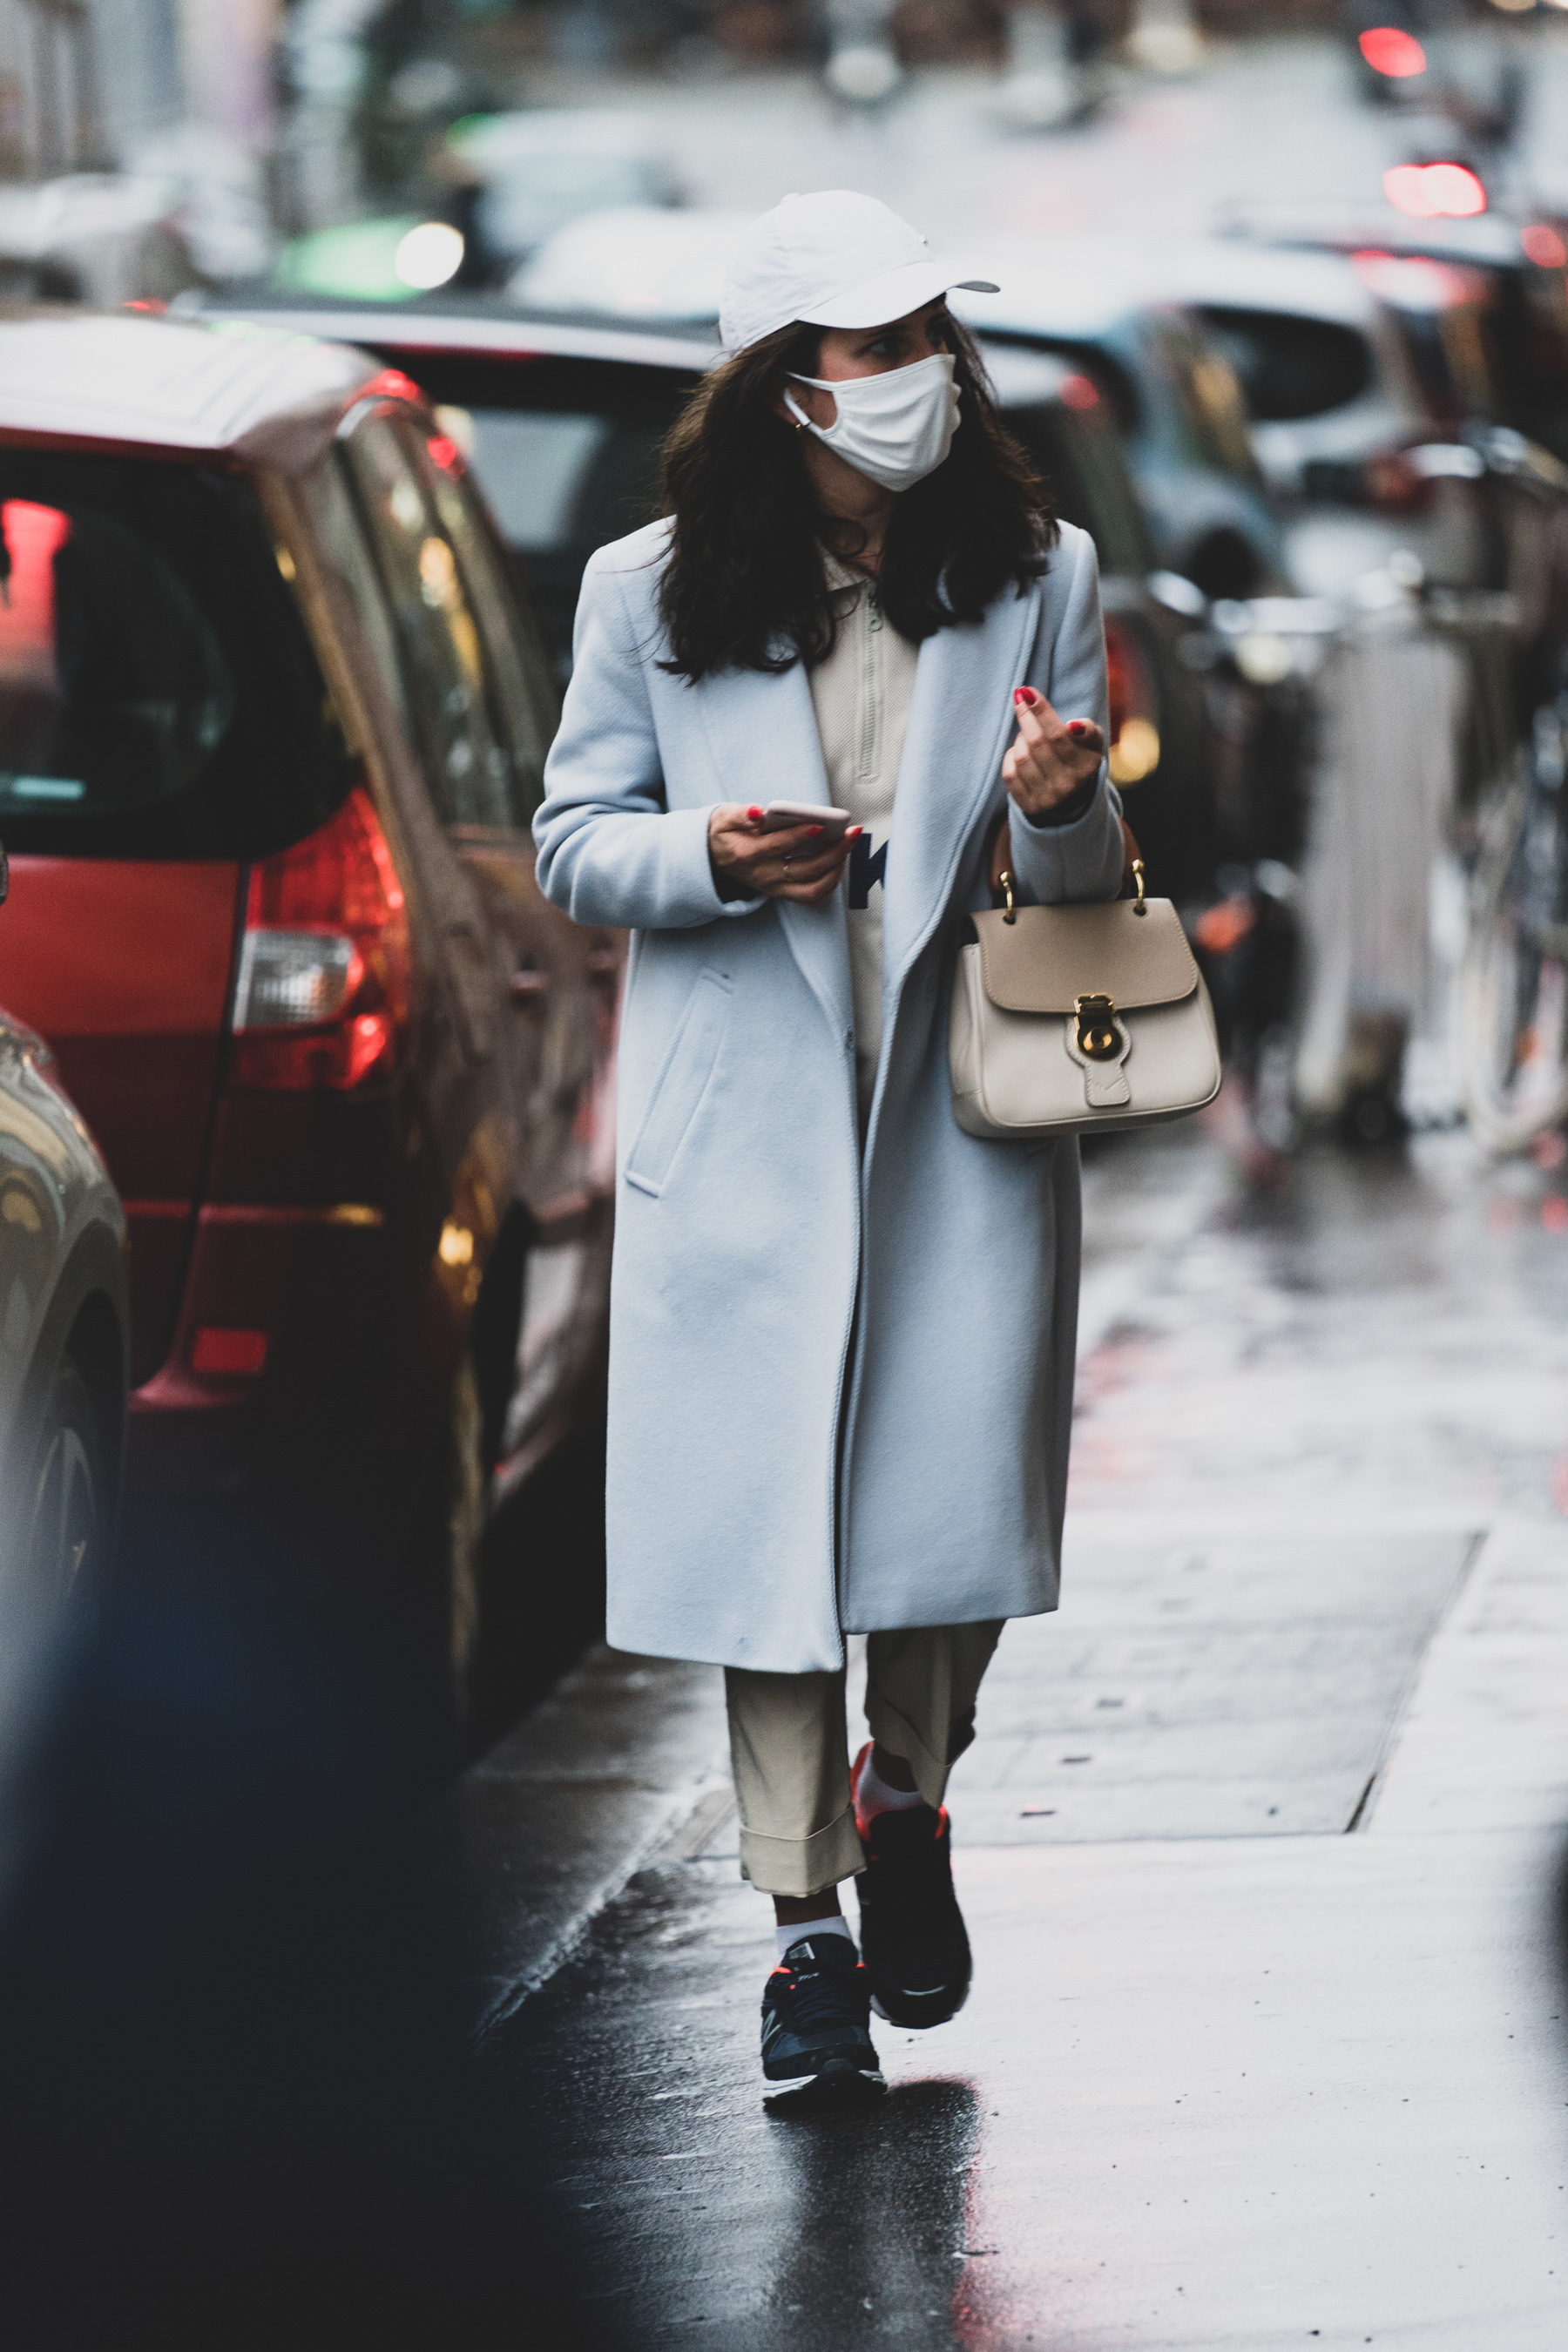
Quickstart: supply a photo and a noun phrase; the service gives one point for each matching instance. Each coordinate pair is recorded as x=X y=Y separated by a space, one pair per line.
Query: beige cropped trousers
x=789 y=1747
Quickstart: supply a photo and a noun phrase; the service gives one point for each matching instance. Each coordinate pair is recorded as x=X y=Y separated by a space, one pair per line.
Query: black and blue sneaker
x=911 y=1930
x=816 y=2008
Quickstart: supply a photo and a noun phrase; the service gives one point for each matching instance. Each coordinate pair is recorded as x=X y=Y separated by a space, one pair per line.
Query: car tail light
x=1435 y=191
x=225 y=1348
x=321 y=998
x=1134 y=737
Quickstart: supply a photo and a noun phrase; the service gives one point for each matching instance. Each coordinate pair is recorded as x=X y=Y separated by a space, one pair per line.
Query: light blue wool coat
x=840 y=1385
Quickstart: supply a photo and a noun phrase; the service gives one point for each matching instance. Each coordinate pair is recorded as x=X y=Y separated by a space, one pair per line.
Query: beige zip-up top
x=861 y=695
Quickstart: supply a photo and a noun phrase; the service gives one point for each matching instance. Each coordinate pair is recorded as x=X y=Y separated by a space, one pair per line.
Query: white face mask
x=896 y=427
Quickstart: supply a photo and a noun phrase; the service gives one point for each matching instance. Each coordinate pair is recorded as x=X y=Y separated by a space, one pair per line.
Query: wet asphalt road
x=1258 y=1845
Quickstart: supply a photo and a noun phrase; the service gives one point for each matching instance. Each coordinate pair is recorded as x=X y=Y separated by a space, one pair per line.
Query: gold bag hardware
x=1069 y=1018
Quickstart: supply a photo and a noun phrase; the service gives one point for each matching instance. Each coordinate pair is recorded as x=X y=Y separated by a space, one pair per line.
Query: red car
x=272 y=726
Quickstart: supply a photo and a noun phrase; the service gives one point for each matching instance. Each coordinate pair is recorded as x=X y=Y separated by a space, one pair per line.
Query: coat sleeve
x=1084 y=859
x=610 y=850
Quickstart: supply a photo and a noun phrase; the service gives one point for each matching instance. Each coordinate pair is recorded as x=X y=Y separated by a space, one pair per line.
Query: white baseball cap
x=833 y=259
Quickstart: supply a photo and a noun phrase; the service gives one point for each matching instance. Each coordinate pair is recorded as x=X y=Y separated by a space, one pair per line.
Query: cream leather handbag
x=1068 y=1018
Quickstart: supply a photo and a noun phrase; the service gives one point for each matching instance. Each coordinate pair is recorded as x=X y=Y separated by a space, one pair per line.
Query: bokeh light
x=429 y=255
x=1390 y=51
x=1544 y=246
x=1435 y=191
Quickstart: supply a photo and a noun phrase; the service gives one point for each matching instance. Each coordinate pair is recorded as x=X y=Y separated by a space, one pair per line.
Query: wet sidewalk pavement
x=1259 y=1846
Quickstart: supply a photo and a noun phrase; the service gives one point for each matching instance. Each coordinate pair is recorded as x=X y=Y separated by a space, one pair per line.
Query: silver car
x=64 y=1321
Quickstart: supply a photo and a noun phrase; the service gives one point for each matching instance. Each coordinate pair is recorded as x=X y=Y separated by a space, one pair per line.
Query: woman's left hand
x=1052 y=757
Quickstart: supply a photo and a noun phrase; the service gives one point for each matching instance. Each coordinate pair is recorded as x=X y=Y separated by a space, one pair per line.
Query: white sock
x=873 y=1796
x=838 y=1925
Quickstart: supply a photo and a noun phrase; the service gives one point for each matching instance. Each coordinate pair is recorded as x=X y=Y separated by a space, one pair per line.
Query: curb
x=530 y=1842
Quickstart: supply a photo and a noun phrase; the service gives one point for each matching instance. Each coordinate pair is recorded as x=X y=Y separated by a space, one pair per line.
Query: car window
x=1439 y=309
x=113 y=688
x=1290 y=367
x=519 y=674
x=1077 y=451
x=468 y=764
x=342 y=535
x=566 y=453
x=158 y=693
x=1097 y=366
x=566 y=477
x=1213 y=408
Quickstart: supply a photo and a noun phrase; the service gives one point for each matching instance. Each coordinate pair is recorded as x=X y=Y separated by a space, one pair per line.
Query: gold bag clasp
x=1099 y=1039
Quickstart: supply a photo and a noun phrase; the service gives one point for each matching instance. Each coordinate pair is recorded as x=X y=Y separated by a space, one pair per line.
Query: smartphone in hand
x=779 y=816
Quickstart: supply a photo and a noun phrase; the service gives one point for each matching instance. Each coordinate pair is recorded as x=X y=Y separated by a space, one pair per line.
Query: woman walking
x=842 y=1330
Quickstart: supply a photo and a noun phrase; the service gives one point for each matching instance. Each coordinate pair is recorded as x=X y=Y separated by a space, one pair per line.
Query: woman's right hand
x=750 y=864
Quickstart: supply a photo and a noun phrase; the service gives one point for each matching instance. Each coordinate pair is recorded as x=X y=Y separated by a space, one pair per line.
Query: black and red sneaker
x=912 y=1937
x=816 y=2013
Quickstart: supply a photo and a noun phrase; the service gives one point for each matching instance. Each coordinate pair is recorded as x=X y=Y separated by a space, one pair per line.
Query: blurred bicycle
x=1511 y=1008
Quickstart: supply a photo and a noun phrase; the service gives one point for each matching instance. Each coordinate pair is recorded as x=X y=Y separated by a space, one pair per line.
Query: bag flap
x=1049 y=955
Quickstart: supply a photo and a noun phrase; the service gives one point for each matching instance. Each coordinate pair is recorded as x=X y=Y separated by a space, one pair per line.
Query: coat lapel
x=761 y=732
x=960 y=722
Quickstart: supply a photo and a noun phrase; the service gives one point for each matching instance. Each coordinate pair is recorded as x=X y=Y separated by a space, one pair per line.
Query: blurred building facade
x=85 y=85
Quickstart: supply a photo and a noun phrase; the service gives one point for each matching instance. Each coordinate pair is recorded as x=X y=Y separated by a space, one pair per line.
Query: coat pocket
x=681 y=1084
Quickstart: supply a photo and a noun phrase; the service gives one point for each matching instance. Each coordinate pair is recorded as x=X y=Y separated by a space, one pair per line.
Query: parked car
x=96 y=236
x=1175 y=399
x=1506 y=360
x=64 y=1352
x=63 y=1349
x=1476 y=491
x=1337 y=413
x=272 y=724
x=564 y=421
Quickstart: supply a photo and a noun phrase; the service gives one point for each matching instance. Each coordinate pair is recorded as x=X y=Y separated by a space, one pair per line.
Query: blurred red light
x=444 y=453
x=1223 y=927
x=1544 y=246
x=1079 y=393
x=1435 y=191
x=1410 y=280
x=341 y=880
x=392 y=384
x=217 y=1349
x=1389 y=51
x=342 y=873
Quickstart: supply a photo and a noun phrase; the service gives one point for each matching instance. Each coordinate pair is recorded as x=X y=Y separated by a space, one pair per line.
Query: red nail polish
x=812 y=831
x=754 y=814
x=1020 y=693
x=1078 y=727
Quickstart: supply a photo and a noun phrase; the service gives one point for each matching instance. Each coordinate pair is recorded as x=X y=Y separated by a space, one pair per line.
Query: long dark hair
x=743 y=587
